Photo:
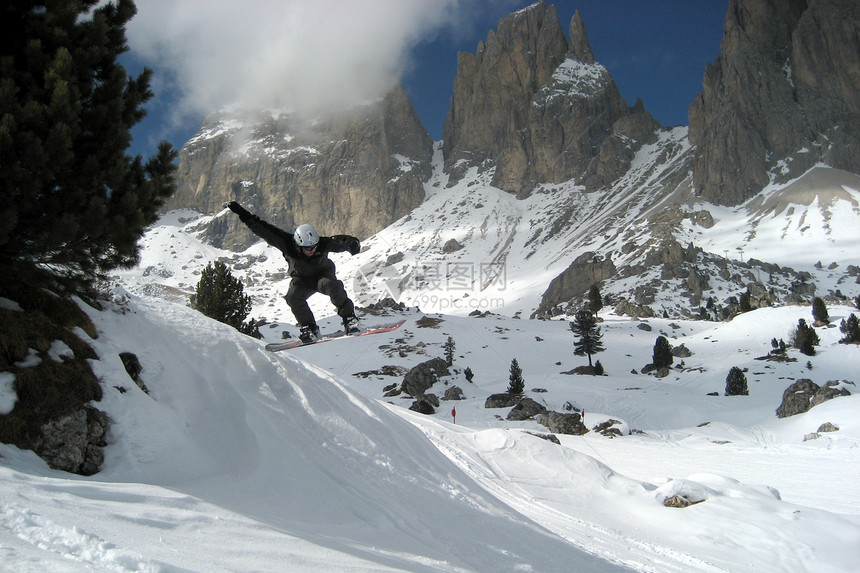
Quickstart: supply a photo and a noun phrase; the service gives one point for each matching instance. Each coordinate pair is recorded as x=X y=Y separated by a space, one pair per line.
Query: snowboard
x=296 y=343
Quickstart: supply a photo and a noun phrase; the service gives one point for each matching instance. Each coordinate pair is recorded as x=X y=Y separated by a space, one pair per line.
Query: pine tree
x=221 y=296
x=449 y=351
x=736 y=383
x=590 y=338
x=662 y=356
x=74 y=204
x=595 y=302
x=850 y=327
x=516 y=384
x=805 y=338
x=819 y=311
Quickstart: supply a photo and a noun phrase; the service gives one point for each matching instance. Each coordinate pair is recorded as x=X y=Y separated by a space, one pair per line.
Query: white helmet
x=306 y=236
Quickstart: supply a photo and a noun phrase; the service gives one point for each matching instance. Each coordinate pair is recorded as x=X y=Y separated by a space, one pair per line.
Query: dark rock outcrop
x=423 y=406
x=454 y=393
x=587 y=270
x=781 y=97
x=525 y=409
x=804 y=394
x=420 y=378
x=559 y=423
x=503 y=400
x=53 y=413
x=74 y=442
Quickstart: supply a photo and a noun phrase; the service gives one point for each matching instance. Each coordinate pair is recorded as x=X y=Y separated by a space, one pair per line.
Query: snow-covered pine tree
x=449 y=351
x=805 y=338
x=595 y=301
x=745 y=302
x=850 y=327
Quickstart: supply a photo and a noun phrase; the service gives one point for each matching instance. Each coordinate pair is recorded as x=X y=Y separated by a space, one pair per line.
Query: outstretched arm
x=341 y=243
x=276 y=237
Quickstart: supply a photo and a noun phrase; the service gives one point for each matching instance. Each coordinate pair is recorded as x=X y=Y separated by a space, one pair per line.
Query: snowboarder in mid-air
x=310 y=268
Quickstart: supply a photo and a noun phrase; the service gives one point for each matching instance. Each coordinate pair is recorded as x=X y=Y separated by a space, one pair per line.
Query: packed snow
x=239 y=459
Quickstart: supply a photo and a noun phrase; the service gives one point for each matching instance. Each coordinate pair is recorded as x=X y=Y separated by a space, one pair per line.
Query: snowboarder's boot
x=309 y=333
x=351 y=324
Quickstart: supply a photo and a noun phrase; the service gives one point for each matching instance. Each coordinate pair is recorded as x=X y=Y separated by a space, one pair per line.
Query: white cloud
x=307 y=55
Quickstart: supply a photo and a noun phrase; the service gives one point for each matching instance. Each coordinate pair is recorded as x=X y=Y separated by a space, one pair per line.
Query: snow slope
x=242 y=460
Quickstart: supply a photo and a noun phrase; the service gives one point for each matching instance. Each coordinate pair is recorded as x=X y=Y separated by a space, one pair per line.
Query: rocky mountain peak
x=780 y=98
x=499 y=80
x=537 y=109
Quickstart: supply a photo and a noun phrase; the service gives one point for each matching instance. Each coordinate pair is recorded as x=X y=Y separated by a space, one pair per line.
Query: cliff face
x=539 y=109
x=781 y=97
x=353 y=172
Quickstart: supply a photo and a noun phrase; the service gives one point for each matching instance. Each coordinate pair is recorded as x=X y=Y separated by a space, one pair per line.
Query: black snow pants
x=302 y=288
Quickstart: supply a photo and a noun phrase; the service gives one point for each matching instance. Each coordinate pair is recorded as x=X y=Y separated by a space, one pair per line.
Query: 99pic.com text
x=442 y=302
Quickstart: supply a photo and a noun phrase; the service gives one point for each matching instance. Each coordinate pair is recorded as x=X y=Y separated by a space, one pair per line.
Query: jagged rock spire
x=538 y=110
x=579 y=48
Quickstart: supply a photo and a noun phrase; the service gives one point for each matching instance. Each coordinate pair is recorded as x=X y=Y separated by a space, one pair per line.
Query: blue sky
x=204 y=59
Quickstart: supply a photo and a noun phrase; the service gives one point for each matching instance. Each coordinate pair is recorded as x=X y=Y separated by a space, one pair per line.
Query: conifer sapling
x=516 y=384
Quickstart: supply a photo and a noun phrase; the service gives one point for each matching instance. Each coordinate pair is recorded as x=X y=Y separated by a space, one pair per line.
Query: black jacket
x=300 y=265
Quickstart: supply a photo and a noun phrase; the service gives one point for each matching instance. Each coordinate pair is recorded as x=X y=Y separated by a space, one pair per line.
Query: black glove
x=353 y=246
x=238 y=209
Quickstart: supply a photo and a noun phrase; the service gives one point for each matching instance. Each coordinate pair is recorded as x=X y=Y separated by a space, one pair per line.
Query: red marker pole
x=454 y=414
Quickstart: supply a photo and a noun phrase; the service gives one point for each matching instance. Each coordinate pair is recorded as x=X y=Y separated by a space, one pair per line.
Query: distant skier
x=310 y=268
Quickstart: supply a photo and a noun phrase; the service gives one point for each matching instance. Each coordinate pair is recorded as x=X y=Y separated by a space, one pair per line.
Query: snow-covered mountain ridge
x=604 y=194
x=474 y=247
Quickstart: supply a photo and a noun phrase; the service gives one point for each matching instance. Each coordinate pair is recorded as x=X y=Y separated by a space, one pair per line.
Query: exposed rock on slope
x=587 y=270
x=540 y=110
x=781 y=97
x=355 y=172
x=55 y=391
